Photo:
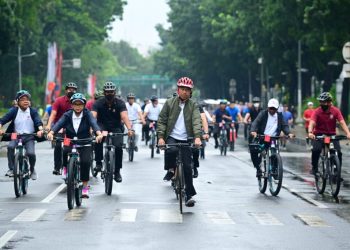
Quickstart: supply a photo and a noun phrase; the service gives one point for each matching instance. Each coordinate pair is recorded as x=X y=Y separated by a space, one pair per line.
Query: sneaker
x=117 y=176
x=85 y=192
x=98 y=167
x=33 y=175
x=168 y=176
x=136 y=149
x=195 y=172
x=9 y=173
x=56 y=172
x=189 y=201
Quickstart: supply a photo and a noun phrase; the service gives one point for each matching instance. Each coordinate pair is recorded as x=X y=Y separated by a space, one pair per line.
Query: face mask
x=324 y=107
x=109 y=97
x=256 y=105
x=69 y=94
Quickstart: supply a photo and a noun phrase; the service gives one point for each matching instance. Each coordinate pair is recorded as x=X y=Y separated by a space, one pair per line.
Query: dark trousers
x=29 y=145
x=217 y=130
x=117 y=141
x=317 y=149
x=85 y=160
x=57 y=153
x=170 y=162
x=195 y=157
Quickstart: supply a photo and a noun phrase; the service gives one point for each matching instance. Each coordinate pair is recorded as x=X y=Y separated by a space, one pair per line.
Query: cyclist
x=24 y=119
x=77 y=123
x=234 y=112
x=252 y=113
x=134 y=113
x=323 y=122
x=91 y=102
x=145 y=102
x=179 y=120
x=151 y=114
x=111 y=114
x=219 y=115
x=307 y=117
x=268 y=122
x=288 y=118
x=60 y=106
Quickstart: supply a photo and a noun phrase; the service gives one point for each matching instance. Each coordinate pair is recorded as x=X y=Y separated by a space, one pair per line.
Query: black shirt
x=201 y=110
x=108 y=116
x=254 y=113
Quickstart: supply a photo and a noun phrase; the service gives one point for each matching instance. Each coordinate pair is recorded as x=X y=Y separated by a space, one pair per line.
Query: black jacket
x=87 y=122
x=259 y=124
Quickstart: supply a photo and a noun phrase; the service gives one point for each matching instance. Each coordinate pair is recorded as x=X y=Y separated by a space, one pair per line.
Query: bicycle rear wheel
x=17 y=175
x=70 y=183
x=275 y=174
x=109 y=170
x=262 y=180
x=321 y=175
x=25 y=175
x=335 y=175
x=78 y=187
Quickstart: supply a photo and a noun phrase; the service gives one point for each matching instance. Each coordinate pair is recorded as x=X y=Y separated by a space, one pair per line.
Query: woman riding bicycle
x=77 y=123
x=268 y=122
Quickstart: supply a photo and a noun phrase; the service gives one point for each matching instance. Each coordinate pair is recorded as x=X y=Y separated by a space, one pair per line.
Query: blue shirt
x=233 y=112
x=287 y=116
x=49 y=109
x=219 y=113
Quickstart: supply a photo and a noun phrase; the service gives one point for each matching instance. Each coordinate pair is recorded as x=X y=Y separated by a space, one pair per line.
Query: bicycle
x=272 y=168
x=232 y=136
x=329 y=167
x=131 y=144
x=21 y=171
x=74 y=184
x=152 y=137
x=178 y=182
x=92 y=160
x=109 y=162
x=223 y=139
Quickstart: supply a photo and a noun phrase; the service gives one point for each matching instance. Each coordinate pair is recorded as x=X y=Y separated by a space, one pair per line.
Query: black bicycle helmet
x=109 y=86
x=223 y=102
x=154 y=98
x=325 y=97
x=22 y=93
x=78 y=97
x=256 y=99
x=130 y=96
x=71 y=85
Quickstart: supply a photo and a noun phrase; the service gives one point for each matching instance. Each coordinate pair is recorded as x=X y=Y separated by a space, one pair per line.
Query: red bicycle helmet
x=185 y=82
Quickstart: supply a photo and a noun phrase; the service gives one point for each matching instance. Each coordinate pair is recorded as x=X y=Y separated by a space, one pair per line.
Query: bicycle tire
x=17 y=182
x=78 y=187
x=152 y=145
x=262 y=180
x=180 y=186
x=321 y=175
x=335 y=175
x=25 y=178
x=70 y=183
x=232 y=146
x=92 y=168
x=275 y=181
x=225 y=150
x=109 y=173
x=131 y=149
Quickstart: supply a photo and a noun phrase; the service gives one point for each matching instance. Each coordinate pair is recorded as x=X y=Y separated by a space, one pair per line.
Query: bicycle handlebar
x=332 y=137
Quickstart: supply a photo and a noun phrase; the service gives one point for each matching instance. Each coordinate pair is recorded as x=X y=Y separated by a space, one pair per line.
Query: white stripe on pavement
x=29 y=215
x=169 y=216
x=311 y=220
x=266 y=219
x=6 y=237
x=54 y=193
x=218 y=217
x=125 y=215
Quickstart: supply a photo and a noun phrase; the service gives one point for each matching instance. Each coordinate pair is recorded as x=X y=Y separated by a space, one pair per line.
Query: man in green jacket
x=178 y=121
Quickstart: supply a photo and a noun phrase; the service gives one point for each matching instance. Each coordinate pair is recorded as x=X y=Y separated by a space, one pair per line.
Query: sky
x=138 y=25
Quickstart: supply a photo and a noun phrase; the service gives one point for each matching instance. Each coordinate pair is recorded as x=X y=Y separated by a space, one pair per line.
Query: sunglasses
x=272 y=109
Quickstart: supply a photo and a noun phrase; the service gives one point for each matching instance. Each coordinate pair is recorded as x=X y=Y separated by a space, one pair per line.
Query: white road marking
x=6 y=237
x=312 y=220
x=266 y=219
x=304 y=197
x=75 y=214
x=29 y=215
x=54 y=193
x=218 y=217
x=147 y=203
x=125 y=215
x=169 y=216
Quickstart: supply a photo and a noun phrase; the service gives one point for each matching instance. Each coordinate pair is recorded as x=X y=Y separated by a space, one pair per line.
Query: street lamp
x=19 y=56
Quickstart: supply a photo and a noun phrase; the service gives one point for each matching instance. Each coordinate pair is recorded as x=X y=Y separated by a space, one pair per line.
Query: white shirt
x=179 y=132
x=153 y=112
x=77 y=121
x=133 y=111
x=24 y=122
x=271 y=125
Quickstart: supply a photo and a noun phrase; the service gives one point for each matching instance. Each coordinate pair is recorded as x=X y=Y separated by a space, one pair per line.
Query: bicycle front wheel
x=131 y=149
x=321 y=175
x=180 y=186
x=275 y=176
x=334 y=175
x=25 y=175
x=109 y=170
x=70 y=183
x=78 y=187
x=17 y=175
x=262 y=180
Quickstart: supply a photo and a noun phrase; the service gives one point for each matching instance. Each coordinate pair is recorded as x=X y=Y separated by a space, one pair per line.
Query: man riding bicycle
x=178 y=121
x=219 y=115
x=323 y=122
x=252 y=114
x=151 y=114
x=24 y=119
x=61 y=105
x=134 y=113
x=111 y=114
x=268 y=122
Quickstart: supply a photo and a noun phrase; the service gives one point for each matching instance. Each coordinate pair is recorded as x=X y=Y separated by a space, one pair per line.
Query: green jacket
x=169 y=114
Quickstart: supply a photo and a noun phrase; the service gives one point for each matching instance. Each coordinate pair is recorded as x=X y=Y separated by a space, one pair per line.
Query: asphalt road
x=143 y=213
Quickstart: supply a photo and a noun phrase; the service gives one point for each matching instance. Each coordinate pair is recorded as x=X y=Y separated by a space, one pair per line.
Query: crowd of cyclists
x=178 y=120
